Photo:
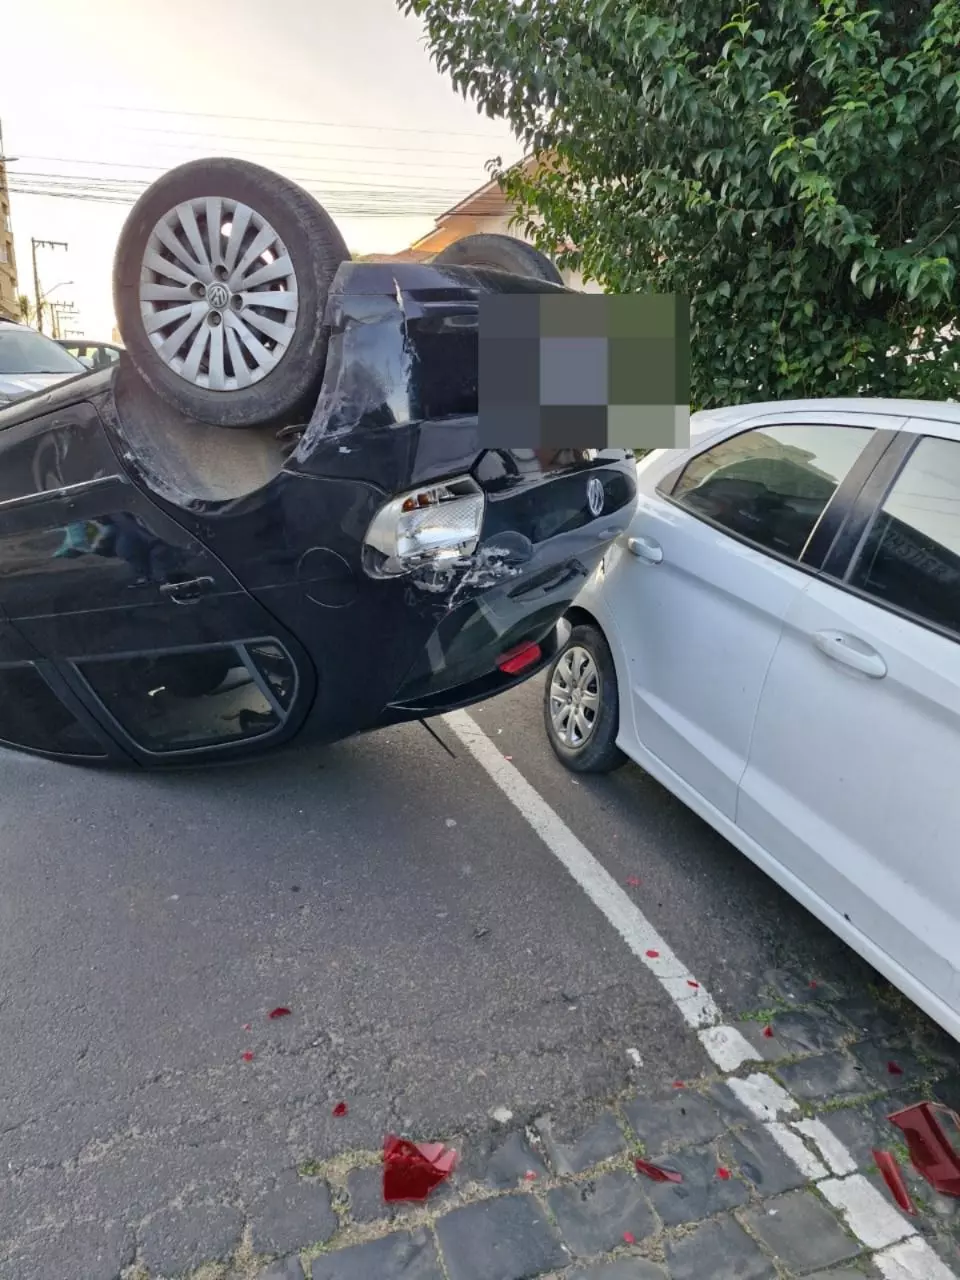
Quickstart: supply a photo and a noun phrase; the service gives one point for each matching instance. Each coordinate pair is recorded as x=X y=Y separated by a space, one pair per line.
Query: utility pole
x=35 y=245
x=62 y=311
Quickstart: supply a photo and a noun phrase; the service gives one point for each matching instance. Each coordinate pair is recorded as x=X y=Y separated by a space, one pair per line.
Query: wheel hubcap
x=575 y=697
x=218 y=294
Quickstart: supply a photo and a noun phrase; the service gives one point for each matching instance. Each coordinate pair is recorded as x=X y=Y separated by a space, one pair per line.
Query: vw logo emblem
x=595 y=495
x=218 y=295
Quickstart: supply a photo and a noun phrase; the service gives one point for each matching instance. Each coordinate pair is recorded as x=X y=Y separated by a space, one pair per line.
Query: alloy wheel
x=575 y=697
x=218 y=293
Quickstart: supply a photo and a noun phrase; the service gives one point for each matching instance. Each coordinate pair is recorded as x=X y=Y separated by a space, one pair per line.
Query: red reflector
x=514 y=660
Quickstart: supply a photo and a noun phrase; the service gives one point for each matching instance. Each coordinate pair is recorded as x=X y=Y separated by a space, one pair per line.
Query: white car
x=776 y=639
x=31 y=362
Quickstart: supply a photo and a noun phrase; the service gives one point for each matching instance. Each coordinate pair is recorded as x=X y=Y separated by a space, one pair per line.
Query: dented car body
x=223 y=591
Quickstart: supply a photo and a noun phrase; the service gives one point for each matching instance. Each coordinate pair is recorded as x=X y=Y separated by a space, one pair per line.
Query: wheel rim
x=218 y=294
x=575 y=697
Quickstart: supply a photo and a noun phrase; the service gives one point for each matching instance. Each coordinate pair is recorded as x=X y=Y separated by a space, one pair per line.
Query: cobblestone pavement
x=765 y=1192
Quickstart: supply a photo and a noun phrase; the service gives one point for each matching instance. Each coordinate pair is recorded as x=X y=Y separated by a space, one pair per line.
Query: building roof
x=487 y=201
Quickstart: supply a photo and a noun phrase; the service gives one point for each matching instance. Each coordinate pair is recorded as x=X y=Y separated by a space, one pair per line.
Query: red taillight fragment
x=656 y=1172
x=411 y=1170
x=516 y=660
x=931 y=1151
x=892 y=1176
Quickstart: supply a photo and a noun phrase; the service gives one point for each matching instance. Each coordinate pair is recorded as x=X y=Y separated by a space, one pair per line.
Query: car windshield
x=26 y=351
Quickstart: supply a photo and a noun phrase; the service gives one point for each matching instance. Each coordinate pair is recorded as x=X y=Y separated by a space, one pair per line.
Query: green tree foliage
x=792 y=166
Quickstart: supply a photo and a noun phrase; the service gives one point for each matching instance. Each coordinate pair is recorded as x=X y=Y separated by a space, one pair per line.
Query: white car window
x=772 y=484
x=910 y=559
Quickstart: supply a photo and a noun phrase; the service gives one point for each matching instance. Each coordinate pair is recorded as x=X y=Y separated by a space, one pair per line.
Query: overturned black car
x=273 y=519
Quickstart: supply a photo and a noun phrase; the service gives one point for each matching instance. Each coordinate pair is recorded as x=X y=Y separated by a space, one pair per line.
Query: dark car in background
x=30 y=362
x=92 y=355
x=273 y=519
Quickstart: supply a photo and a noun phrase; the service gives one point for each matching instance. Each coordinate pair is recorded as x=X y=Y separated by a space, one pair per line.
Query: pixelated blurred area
x=584 y=371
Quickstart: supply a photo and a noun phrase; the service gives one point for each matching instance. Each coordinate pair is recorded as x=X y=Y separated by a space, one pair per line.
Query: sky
x=99 y=98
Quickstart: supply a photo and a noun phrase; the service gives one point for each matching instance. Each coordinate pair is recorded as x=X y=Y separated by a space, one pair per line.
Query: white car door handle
x=851 y=652
x=645 y=549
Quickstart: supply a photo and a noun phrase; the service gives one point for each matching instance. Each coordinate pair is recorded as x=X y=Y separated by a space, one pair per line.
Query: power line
x=318 y=124
x=141 y=184
x=159 y=168
x=303 y=142
x=358 y=207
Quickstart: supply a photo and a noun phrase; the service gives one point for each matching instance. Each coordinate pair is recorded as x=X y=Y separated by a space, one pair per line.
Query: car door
x=717 y=553
x=852 y=778
x=139 y=620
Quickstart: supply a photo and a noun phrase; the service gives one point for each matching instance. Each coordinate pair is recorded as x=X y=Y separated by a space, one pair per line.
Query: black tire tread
x=497 y=252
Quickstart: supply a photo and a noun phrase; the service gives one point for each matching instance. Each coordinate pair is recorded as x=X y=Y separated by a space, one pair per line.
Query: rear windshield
x=26 y=351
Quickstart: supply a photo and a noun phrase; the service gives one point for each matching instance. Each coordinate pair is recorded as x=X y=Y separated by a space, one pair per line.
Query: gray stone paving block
x=95 y=1251
x=702 y=1192
x=175 y=1240
x=878 y=1057
x=865 y=1015
x=365 y=1188
x=844 y=1273
x=731 y=1109
x=293 y=1216
x=285 y=1269
x=623 y=1269
x=861 y=1128
x=937 y=1213
x=760 y=1160
x=718 y=1250
x=509 y=1164
x=801 y=1231
x=809 y=1031
x=830 y=1075
x=406 y=1255
x=947 y=1091
x=799 y=990
x=503 y=1239
x=603 y=1140
x=681 y=1118
x=593 y=1216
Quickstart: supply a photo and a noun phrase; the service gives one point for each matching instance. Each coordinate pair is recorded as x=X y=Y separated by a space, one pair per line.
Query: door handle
x=182 y=592
x=647 y=549
x=851 y=652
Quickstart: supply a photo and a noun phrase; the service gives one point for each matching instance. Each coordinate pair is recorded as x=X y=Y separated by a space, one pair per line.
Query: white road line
x=796 y=1150
x=912 y=1260
x=728 y=1047
x=831 y=1148
x=696 y=1006
x=870 y=1216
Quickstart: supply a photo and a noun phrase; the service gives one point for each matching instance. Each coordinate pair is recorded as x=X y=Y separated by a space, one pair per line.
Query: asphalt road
x=437 y=959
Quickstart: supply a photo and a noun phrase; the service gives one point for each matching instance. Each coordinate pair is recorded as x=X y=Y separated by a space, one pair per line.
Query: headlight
x=431 y=525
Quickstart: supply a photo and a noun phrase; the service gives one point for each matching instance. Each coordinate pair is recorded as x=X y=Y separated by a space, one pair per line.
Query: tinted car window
x=24 y=350
x=32 y=716
x=772 y=484
x=911 y=556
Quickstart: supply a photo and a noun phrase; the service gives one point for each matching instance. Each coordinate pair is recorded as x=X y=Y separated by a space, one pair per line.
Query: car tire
x=500 y=253
x=268 y=356
x=598 y=752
